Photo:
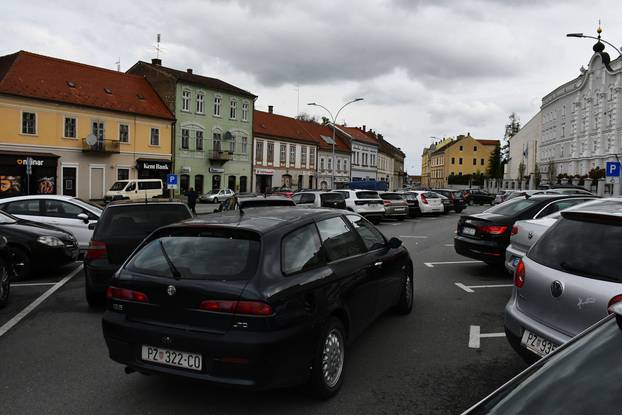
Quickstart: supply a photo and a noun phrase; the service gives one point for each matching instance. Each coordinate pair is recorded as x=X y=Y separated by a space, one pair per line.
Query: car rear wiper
x=171 y=266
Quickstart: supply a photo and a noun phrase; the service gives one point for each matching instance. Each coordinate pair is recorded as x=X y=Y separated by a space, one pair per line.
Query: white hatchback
x=429 y=202
x=366 y=203
x=65 y=212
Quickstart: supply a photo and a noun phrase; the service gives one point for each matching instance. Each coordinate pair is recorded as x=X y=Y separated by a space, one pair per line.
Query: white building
x=524 y=147
x=386 y=169
x=325 y=163
x=364 y=147
x=581 y=129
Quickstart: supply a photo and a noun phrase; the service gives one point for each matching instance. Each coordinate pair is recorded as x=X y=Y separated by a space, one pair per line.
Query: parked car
x=134 y=189
x=35 y=246
x=216 y=196
x=481 y=197
x=123 y=225
x=567 y=281
x=578 y=378
x=485 y=236
x=525 y=233
x=466 y=195
x=413 y=203
x=364 y=202
x=6 y=271
x=445 y=202
x=394 y=205
x=265 y=299
x=455 y=197
x=282 y=191
x=320 y=198
x=501 y=196
x=429 y=202
x=68 y=213
x=237 y=203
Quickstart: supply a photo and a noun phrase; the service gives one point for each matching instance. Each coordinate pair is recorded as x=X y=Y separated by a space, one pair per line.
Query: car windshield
x=118 y=186
x=138 y=220
x=204 y=255
x=6 y=218
x=513 y=207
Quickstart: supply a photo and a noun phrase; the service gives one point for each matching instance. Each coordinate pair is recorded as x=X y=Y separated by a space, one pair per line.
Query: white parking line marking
x=431 y=264
x=449 y=245
x=33 y=284
x=464 y=287
x=12 y=322
x=469 y=288
x=412 y=236
x=475 y=336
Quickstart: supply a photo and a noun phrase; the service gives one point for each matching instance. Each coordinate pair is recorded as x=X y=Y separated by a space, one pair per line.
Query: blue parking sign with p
x=171 y=181
x=612 y=169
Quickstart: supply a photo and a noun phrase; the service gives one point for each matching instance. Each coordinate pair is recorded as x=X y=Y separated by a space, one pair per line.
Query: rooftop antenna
x=118 y=63
x=158 y=49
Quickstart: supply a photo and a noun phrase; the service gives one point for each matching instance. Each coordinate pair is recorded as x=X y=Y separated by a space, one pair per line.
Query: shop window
x=243 y=184
x=231 y=183
x=123 y=174
x=198 y=183
x=184 y=182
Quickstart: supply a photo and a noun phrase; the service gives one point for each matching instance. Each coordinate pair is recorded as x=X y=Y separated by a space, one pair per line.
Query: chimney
x=380 y=137
x=189 y=70
x=364 y=128
x=156 y=61
x=271 y=109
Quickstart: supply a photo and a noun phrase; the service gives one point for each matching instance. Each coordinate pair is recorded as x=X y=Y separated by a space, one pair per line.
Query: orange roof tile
x=30 y=75
x=488 y=142
x=358 y=134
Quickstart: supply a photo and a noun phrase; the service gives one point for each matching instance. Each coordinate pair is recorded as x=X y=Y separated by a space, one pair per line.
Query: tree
x=303 y=116
x=537 y=176
x=511 y=130
x=495 y=165
x=551 y=172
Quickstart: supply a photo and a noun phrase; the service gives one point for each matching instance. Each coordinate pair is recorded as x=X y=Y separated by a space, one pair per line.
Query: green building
x=213 y=134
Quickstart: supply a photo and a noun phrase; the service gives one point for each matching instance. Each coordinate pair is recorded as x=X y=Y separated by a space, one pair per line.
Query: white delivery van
x=134 y=189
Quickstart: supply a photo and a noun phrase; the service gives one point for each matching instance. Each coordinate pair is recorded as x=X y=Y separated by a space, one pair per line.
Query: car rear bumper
x=488 y=251
x=511 y=253
x=98 y=277
x=274 y=359
x=431 y=209
x=396 y=211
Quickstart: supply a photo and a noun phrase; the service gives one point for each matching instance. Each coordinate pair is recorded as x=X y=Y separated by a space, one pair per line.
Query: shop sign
x=264 y=171
x=153 y=165
x=33 y=162
x=216 y=170
x=185 y=170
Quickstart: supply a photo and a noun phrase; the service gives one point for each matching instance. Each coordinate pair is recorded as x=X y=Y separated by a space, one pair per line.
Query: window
x=339 y=165
x=185 y=138
x=475 y=162
x=123 y=173
x=270 y=157
x=330 y=164
x=24 y=207
x=481 y=162
x=29 y=123
x=282 y=154
x=303 y=156
x=217 y=102
x=232 y=109
x=312 y=157
x=563 y=130
x=59 y=209
x=154 y=139
x=322 y=164
x=300 y=250
x=474 y=148
x=460 y=148
x=98 y=130
x=338 y=240
x=149 y=185
x=245 y=111
x=199 y=140
x=184 y=182
x=259 y=151
x=200 y=103
x=292 y=154
x=232 y=145
x=198 y=183
x=453 y=160
x=70 y=127
x=185 y=101
x=460 y=160
x=216 y=138
x=124 y=133
x=371 y=237
x=345 y=165
x=244 y=145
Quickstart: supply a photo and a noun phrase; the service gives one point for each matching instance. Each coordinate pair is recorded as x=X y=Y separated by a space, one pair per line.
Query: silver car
x=525 y=233
x=216 y=196
x=567 y=281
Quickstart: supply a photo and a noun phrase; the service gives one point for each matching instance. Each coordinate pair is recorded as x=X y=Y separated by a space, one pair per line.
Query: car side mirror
x=92 y=226
x=394 y=243
x=83 y=217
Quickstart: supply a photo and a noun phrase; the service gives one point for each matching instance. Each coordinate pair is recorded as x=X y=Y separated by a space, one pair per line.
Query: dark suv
x=456 y=199
x=121 y=227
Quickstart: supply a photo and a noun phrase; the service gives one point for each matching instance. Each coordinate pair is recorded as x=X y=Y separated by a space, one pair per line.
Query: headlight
x=50 y=241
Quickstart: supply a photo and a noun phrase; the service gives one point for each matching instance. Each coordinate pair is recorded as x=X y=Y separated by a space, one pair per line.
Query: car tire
x=400 y=218
x=5 y=283
x=93 y=298
x=327 y=370
x=405 y=304
x=21 y=264
x=215 y=200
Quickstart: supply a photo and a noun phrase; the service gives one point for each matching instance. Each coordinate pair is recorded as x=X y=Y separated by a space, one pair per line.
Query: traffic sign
x=612 y=179
x=612 y=169
x=171 y=181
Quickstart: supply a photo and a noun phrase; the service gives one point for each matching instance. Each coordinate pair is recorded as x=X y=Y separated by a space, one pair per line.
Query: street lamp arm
x=346 y=104
x=325 y=109
x=581 y=35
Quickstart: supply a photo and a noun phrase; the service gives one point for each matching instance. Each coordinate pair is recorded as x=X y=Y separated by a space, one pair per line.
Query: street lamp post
x=334 y=120
x=599 y=31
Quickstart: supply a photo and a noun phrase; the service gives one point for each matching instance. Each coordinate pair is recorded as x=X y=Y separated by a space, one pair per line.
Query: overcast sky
x=425 y=68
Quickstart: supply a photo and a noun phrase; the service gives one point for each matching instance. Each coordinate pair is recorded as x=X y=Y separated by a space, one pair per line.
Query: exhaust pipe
x=129 y=370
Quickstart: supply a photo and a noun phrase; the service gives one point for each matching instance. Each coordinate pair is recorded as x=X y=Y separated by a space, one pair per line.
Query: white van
x=134 y=189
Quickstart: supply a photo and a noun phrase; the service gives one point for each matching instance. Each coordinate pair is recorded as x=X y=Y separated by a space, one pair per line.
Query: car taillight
x=95 y=250
x=253 y=308
x=514 y=230
x=519 y=275
x=614 y=300
x=115 y=293
x=424 y=200
x=493 y=230
x=386 y=202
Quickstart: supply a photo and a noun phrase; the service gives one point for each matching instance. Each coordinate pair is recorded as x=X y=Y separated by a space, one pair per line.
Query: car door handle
x=378 y=264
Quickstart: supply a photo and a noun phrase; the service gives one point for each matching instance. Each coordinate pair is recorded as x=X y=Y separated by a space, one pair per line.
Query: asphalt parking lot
x=446 y=355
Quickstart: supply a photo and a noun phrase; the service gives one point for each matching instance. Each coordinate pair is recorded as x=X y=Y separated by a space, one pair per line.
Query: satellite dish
x=91 y=139
x=228 y=135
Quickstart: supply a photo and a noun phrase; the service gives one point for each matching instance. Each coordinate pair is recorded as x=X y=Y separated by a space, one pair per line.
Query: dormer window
x=71 y=84
x=108 y=91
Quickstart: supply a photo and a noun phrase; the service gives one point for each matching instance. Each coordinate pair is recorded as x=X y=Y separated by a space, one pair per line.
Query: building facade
x=74 y=129
x=523 y=156
x=581 y=126
x=213 y=134
x=426 y=165
x=364 y=148
x=325 y=161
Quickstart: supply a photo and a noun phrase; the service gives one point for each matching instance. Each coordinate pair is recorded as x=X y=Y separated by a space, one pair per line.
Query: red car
x=282 y=191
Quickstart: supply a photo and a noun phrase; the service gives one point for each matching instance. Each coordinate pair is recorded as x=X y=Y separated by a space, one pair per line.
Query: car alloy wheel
x=215 y=200
x=332 y=358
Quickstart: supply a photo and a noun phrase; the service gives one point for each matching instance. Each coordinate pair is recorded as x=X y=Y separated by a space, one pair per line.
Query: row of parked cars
x=566 y=304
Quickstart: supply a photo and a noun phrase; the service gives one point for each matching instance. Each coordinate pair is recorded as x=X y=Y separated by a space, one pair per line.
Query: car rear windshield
x=409 y=196
x=391 y=196
x=200 y=255
x=431 y=195
x=138 y=220
x=265 y=203
x=513 y=207
x=331 y=197
x=117 y=186
x=588 y=249
x=367 y=195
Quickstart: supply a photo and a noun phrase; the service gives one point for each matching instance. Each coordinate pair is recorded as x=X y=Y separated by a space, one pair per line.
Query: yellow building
x=79 y=127
x=425 y=166
x=460 y=157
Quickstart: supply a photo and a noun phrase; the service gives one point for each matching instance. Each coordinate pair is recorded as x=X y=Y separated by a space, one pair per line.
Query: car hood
x=36 y=228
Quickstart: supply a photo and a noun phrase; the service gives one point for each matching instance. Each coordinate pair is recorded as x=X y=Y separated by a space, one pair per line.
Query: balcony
x=101 y=146
x=219 y=155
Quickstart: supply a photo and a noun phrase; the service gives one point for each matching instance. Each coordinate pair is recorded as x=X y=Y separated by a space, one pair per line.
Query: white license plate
x=538 y=345
x=173 y=358
x=468 y=231
x=400 y=209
